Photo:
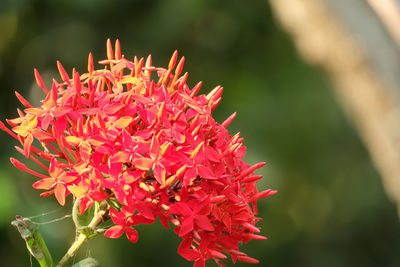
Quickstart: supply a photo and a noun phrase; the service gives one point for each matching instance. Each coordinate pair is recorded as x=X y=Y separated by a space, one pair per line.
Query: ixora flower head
x=145 y=149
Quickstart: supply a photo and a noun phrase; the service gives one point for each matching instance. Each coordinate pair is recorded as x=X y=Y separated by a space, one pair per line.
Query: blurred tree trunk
x=359 y=52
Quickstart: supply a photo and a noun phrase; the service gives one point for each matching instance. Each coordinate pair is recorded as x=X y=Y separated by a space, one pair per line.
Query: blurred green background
x=331 y=209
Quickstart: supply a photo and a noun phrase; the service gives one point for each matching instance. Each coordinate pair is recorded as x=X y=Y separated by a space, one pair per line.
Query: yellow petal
x=123 y=122
x=77 y=191
x=133 y=80
x=73 y=140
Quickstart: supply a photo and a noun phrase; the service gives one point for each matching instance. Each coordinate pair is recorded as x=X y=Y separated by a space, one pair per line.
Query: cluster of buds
x=149 y=148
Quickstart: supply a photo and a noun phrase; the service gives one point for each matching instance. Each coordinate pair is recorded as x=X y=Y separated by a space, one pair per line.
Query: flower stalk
x=84 y=234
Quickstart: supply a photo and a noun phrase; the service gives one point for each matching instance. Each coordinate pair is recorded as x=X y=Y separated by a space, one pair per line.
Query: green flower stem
x=82 y=237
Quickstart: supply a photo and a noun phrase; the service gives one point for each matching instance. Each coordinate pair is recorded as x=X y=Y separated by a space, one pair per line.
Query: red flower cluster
x=151 y=148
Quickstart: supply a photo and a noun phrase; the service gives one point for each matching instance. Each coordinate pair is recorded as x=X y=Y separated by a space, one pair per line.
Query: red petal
x=46 y=121
x=173 y=59
x=251 y=169
x=227 y=220
x=204 y=223
x=27 y=145
x=185 y=252
x=250 y=179
x=251 y=227
x=84 y=204
x=155 y=146
x=23 y=100
x=114 y=231
x=263 y=194
x=256 y=237
x=90 y=63
x=63 y=73
x=73 y=140
x=145 y=210
x=144 y=164
x=59 y=192
x=35 y=111
x=51 y=99
x=159 y=173
x=68 y=178
x=217 y=254
x=40 y=134
x=85 y=150
x=60 y=111
x=205 y=172
x=117 y=217
x=120 y=156
x=47 y=193
x=212 y=154
x=110 y=53
x=45 y=184
x=98 y=196
x=199 y=263
x=39 y=81
x=123 y=122
x=187 y=226
x=132 y=234
x=112 y=108
x=53 y=167
x=228 y=120
x=247 y=259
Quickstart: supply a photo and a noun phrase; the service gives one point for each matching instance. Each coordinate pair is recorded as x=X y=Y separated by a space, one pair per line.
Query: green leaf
x=34 y=241
x=88 y=262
